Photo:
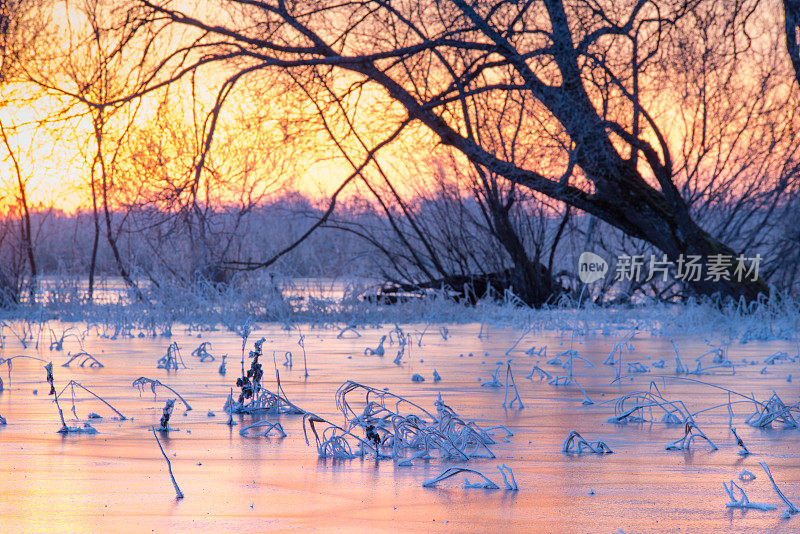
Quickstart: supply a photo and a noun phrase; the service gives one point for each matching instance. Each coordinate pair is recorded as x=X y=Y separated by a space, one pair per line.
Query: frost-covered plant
x=742 y=501
x=541 y=373
x=143 y=382
x=542 y=352
x=253 y=397
x=178 y=492
x=575 y=443
x=495 y=381
x=453 y=471
x=377 y=351
x=636 y=367
x=690 y=433
x=302 y=343
x=172 y=358
x=679 y=367
x=268 y=427
x=508 y=477
x=66 y=429
x=739 y=442
x=422 y=434
x=615 y=356
x=646 y=406
x=346 y=329
x=404 y=341
x=791 y=509
x=510 y=380
x=9 y=363
x=777 y=356
x=166 y=413
x=774 y=410
x=334 y=441
x=72 y=384
x=57 y=342
x=746 y=475
x=202 y=352
x=82 y=358
x=444 y=332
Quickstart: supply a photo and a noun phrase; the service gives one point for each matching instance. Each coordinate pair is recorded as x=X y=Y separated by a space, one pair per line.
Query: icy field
x=117 y=480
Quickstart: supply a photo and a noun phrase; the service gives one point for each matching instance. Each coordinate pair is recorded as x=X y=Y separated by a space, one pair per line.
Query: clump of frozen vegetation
x=774 y=410
x=253 y=396
x=390 y=426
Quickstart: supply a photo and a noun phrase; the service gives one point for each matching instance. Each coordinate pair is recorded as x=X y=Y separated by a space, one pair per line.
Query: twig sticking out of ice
x=346 y=329
x=143 y=381
x=636 y=367
x=743 y=502
x=172 y=358
x=770 y=360
x=540 y=372
x=72 y=384
x=87 y=358
x=525 y=332
x=645 y=403
x=268 y=426
x=509 y=481
x=575 y=443
x=165 y=415
x=202 y=352
x=510 y=379
x=791 y=509
x=495 y=381
x=377 y=351
x=444 y=332
x=453 y=471
x=178 y=492
x=679 y=367
x=691 y=432
x=744 y=450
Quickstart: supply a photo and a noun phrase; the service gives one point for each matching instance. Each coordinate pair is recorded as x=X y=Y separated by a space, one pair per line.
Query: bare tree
x=582 y=70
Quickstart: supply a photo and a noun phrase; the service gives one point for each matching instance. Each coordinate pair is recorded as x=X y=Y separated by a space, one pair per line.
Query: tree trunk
x=791 y=18
x=95 y=240
x=25 y=216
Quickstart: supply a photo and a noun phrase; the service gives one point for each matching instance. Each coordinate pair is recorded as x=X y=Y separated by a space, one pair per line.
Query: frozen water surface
x=117 y=480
